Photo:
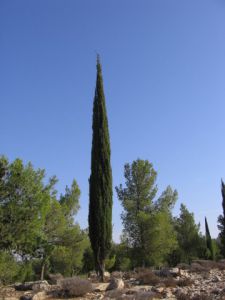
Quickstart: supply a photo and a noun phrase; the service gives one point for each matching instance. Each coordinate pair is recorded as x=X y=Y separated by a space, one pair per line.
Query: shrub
x=170 y=282
x=196 y=267
x=183 y=296
x=202 y=297
x=110 y=262
x=185 y=282
x=207 y=264
x=125 y=264
x=146 y=276
x=8 y=268
x=75 y=287
x=115 y=294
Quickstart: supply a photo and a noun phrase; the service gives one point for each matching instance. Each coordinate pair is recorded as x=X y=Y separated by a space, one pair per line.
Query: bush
x=196 y=267
x=202 y=297
x=146 y=276
x=125 y=264
x=110 y=262
x=183 y=296
x=8 y=268
x=170 y=282
x=26 y=272
x=74 y=287
x=185 y=282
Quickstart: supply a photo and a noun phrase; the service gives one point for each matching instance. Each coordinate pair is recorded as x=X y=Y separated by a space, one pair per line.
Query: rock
x=115 y=283
x=174 y=271
x=216 y=279
x=158 y=289
x=27 y=286
x=39 y=296
x=26 y=296
x=107 y=275
x=100 y=287
x=40 y=286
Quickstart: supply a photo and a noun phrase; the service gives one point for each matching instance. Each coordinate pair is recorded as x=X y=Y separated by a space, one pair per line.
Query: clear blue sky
x=164 y=77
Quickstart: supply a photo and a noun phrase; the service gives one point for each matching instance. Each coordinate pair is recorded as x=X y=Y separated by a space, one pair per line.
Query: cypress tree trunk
x=100 y=182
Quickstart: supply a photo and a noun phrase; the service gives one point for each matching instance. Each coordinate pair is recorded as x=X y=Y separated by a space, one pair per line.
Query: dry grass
x=74 y=287
x=185 y=282
x=183 y=296
x=146 y=276
x=170 y=282
x=202 y=297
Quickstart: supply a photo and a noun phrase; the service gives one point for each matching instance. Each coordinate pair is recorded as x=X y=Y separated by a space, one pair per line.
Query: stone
x=100 y=287
x=26 y=296
x=115 y=283
x=27 y=286
x=40 y=286
x=39 y=296
x=174 y=271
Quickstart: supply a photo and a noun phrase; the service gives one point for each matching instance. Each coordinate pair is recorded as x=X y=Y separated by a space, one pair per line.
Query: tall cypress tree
x=209 y=244
x=100 y=182
x=221 y=220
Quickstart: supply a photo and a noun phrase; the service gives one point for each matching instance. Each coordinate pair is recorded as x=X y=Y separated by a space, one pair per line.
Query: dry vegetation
x=74 y=287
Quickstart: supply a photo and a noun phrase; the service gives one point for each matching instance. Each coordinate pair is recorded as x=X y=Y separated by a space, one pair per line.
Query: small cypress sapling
x=221 y=221
x=209 y=244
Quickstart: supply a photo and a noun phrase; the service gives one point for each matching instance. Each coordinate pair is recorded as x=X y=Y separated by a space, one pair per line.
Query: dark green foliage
x=189 y=238
x=88 y=260
x=100 y=193
x=221 y=221
x=209 y=243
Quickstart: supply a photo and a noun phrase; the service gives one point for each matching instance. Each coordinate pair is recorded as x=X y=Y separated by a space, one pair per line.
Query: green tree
x=100 y=193
x=24 y=203
x=188 y=236
x=9 y=268
x=147 y=223
x=59 y=229
x=209 y=242
x=33 y=223
x=221 y=221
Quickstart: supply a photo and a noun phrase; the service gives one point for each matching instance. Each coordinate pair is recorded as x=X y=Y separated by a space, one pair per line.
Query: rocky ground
x=201 y=281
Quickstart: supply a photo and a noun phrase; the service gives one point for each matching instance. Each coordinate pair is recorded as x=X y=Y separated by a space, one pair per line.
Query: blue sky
x=164 y=77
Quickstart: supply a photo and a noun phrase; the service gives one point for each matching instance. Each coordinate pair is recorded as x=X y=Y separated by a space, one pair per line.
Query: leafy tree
x=100 y=206
x=209 y=243
x=221 y=221
x=188 y=235
x=24 y=203
x=33 y=223
x=147 y=223
x=67 y=259
x=9 y=268
x=59 y=229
